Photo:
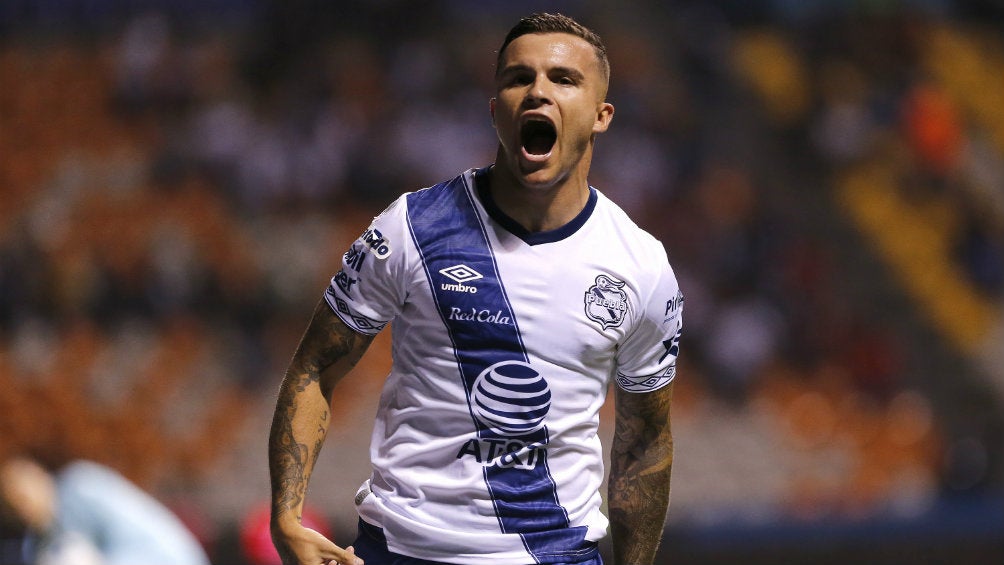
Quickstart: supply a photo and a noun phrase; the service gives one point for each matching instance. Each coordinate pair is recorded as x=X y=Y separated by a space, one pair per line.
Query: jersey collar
x=481 y=184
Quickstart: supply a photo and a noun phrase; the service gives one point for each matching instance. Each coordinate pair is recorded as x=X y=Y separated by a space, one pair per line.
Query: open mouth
x=538 y=137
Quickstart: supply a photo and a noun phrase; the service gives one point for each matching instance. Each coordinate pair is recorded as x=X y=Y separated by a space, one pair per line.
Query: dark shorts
x=371 y=546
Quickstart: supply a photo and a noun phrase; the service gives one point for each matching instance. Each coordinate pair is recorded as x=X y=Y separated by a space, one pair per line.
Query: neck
x=538 y=208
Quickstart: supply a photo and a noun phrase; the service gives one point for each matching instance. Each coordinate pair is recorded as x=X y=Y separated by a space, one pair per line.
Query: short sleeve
x=368 y=291
x=646 y=360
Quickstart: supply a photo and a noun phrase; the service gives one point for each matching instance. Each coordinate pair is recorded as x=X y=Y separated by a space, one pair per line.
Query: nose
x=538 y=93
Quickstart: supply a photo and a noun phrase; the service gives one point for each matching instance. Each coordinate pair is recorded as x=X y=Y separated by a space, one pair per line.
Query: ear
x=491 y=109
x=604 y=115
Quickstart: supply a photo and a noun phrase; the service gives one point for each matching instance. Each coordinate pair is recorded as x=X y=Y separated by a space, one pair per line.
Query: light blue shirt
x=126 y=525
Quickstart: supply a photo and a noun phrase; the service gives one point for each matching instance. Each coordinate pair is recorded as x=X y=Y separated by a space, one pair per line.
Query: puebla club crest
x=606 y=302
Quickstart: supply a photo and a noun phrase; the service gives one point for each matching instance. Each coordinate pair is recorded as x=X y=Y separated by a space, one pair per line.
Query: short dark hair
x=555 y=23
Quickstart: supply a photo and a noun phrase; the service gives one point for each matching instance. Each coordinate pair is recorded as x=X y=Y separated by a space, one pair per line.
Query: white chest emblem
x=606 y=302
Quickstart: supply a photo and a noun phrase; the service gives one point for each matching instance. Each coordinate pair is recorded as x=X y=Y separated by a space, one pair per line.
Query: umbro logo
x=460 y=273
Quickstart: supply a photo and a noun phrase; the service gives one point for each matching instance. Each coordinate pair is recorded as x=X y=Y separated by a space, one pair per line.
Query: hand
x=304 y=546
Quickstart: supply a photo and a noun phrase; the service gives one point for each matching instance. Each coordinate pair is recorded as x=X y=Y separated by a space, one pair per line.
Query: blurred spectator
x=88 y=514
x=979 y=247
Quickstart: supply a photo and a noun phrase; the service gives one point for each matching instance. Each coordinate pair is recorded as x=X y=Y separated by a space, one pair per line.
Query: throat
x=535 y=210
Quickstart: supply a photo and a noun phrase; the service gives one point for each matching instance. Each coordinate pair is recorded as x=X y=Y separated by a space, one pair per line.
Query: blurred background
x=179 y=179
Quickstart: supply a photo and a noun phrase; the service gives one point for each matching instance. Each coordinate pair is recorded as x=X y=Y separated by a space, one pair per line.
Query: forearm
x=299 y=426
x=326 y=353
x=641 y=465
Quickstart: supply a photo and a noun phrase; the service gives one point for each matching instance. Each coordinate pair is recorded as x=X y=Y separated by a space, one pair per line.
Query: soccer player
x=517 y=293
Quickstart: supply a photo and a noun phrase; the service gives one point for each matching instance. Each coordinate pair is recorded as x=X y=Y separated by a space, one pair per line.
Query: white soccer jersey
x=485 y=445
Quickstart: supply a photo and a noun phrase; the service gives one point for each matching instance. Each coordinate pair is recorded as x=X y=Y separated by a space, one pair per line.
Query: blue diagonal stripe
x=448 y=231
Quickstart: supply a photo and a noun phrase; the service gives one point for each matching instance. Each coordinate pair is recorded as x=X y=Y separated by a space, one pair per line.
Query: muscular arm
x=327 y=352
x=641 y=461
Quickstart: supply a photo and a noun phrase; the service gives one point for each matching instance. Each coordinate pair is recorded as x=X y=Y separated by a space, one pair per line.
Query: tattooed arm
x=327 y=351
x=641 y=461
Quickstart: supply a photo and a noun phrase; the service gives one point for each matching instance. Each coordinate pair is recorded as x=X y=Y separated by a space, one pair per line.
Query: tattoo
x=301 y=418
x=286 y=455
x=641 y=464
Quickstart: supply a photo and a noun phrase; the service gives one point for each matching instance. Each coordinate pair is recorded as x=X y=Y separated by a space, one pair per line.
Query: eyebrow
x=517 y=68
x=569 y=71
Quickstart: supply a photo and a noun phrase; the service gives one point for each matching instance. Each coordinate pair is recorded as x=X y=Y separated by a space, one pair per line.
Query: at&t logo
x=512 y=400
